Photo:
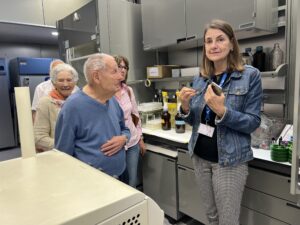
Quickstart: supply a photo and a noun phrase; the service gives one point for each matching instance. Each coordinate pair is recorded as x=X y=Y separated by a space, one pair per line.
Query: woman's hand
x=185 y=96
x=215 y=102
x=142 y=147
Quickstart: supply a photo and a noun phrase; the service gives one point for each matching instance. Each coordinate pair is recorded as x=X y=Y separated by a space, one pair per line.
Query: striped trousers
x=221 y=190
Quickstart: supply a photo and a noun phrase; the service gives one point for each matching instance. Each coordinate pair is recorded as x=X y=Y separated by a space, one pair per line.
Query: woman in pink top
x=135 y=145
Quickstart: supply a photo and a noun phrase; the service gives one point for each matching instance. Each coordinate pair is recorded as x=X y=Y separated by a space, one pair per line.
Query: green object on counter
x=279 y=153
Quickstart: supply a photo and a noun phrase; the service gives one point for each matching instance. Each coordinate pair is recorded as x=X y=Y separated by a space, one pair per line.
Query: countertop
x=171 y=135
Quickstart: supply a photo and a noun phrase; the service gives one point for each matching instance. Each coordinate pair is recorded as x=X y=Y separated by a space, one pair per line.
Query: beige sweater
x=45 y=121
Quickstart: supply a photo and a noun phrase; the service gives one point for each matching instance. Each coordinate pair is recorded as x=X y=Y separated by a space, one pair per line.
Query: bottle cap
x=259 y=48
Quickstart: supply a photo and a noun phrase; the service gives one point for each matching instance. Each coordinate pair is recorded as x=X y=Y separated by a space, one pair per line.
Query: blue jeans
x=132 y=160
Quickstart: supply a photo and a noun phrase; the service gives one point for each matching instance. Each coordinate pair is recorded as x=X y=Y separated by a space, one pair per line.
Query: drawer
x=270 y=183
x=184 y=158
x=251 y=217
x=271 y=206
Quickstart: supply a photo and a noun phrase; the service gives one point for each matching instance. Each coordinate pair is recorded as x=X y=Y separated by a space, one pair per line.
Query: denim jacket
x=243 y=96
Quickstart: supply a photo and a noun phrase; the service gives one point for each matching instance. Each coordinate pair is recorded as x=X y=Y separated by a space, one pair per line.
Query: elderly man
x=91 y=125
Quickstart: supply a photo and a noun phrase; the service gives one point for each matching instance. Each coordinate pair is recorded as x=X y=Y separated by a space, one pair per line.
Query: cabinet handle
x=191 y=37
x=182 y=151
x=181 y=168
x=181 y=40
x=170 y=160
x=293 y=205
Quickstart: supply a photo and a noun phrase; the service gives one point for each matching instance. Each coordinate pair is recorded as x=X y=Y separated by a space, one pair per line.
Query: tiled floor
x=184 y=221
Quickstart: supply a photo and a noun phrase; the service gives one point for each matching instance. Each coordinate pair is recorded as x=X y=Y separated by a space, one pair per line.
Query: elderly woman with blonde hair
x=64 y=78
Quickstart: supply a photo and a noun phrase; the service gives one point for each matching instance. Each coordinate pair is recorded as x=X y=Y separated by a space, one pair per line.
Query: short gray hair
x=94 y=63
x=63 y=67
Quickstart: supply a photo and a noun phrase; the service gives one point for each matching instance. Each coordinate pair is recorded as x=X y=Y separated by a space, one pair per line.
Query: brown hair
x=119 y=59
x=234 y=60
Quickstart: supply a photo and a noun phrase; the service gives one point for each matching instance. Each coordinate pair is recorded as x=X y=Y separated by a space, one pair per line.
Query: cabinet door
x=56 y=9
x=201 y=12
x=190 y=200
x=26 y=11
x=79 y=27
x=163 y=22
x=159 y=182
x=251 y=217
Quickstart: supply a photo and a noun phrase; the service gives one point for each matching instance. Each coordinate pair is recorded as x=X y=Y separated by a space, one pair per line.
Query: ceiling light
x=54 y=33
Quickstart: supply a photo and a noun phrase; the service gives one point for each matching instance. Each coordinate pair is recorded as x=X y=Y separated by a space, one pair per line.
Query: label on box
x=153 y=72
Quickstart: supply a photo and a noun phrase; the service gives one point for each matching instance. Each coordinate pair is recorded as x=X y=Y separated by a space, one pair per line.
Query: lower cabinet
x=251 y=217
x=171 y=182
x=160 y=182
x=267 y=196
x=190 y=202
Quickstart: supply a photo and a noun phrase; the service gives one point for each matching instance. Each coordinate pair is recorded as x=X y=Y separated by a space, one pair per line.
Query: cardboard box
x=160 y=71
x=189 y=72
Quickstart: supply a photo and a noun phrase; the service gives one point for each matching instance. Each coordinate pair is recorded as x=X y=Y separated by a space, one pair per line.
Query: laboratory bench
x=168 y=178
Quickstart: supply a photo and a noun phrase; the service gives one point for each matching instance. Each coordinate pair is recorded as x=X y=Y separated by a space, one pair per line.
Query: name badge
x=206 y=130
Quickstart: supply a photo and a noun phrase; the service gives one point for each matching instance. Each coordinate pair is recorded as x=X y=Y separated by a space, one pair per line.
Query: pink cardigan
x=129 y=106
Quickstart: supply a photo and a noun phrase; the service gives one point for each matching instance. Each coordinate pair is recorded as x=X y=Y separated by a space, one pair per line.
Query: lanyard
x=207 y=109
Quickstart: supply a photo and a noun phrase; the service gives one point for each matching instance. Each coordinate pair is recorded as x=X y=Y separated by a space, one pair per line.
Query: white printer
x=54 y=188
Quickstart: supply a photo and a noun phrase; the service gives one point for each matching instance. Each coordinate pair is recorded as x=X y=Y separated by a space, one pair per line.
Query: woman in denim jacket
x=220 y=145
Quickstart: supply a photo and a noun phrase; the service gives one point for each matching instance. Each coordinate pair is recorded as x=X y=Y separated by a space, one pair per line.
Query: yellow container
x=172 y=109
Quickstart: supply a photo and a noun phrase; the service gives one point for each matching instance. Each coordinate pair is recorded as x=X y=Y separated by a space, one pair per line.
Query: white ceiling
x=27 y=34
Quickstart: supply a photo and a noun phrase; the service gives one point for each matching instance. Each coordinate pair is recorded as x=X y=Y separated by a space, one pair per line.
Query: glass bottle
x=179 y=122
x=165 y=116
x=259 y=58
x=276 y=57
x=249 y=51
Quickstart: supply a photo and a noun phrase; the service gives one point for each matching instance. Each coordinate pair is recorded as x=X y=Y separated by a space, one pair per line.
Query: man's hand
x=113 y=145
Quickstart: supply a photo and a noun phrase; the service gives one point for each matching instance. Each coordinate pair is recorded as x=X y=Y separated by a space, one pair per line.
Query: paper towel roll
x=25 y=122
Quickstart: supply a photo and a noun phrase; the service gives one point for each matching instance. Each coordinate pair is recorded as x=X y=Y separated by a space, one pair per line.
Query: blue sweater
x=84 y=125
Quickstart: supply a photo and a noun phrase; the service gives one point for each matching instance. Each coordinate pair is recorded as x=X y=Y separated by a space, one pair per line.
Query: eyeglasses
x=123 y=67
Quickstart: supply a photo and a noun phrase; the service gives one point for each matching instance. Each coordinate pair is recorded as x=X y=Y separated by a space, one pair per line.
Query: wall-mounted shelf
x=170 y=79
x=279 y=72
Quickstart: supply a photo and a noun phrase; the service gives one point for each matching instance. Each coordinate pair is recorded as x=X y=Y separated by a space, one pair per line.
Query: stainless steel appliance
x=7 y=138
x=29 y=72
x=108 y=26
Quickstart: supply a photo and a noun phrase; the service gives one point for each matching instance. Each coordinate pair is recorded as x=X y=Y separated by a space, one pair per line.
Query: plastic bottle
x=259 y=58
x=276 y=57
x=179 y=122
x=165 y=116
